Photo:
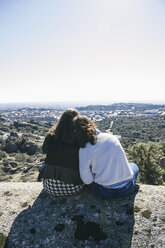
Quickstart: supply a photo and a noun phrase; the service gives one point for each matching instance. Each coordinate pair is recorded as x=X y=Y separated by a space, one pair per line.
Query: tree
x=146 y=156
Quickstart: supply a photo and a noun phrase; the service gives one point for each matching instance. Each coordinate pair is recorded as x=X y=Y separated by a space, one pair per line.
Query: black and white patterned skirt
x=58 y=188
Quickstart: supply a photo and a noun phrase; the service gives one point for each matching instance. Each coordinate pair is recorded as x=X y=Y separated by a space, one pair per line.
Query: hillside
x=20 y=149
x=135 y=107
x=32 y=219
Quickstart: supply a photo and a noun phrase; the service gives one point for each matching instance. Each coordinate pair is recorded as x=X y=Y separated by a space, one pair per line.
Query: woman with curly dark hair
x=103 y=162
x=60 y=172
x=84 y=131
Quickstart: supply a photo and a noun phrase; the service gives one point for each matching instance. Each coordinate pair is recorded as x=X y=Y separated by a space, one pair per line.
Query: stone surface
x=30 y=218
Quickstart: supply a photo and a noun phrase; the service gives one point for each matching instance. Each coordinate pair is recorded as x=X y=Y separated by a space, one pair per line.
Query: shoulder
x=107 y=138
x=50 y=143
x=108 y=144
x=103 y=139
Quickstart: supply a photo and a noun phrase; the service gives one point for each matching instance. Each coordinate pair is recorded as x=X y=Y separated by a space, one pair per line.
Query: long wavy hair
x=84 y=131
x=63 y=129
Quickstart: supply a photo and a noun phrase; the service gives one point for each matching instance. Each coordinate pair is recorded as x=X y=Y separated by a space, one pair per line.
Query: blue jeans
x=126 y=190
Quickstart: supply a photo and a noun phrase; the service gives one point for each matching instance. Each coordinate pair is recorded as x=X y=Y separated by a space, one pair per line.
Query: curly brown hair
x=63 y=129
x=84 y=131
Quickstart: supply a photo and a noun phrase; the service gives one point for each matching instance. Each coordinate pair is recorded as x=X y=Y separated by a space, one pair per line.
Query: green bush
x=146 y=156
x=3 y=155
x=21 y=157
x=1 y=170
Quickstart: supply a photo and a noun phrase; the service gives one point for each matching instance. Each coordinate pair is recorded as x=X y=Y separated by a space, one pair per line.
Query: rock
x=26 y=169
x=13 y=170
x=28 y=147
x=10 y=147
x=10 y=167
x=30 y=160
x=1 y=132
x=3 y=119
x=162 y=162
x=31 y=148
x=13 y=164
x=5 y=129
x=6 y=167
x=20 y=124
x=4 y=178
x=14 y=134
x=133 y=222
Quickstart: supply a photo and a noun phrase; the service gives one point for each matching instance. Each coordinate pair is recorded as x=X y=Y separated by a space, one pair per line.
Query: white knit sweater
x=104 y=163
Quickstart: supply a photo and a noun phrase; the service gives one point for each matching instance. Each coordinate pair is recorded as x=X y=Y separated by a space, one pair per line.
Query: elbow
x=44 y=150
x=87 y=180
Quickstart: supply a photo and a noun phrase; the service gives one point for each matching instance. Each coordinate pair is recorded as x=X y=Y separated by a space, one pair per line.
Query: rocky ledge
x=29 y=218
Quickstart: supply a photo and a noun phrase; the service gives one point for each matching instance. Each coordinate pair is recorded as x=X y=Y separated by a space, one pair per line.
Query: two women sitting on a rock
x=78 y=154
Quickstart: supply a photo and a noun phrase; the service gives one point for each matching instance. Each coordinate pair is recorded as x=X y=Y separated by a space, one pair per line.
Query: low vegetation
x=136 y=129
x=147 y=156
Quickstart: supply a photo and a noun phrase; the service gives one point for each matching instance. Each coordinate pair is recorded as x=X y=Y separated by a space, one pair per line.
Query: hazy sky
x=82 y=50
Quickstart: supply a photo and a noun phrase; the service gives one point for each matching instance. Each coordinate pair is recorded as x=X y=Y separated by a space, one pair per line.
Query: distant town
x=95 y=112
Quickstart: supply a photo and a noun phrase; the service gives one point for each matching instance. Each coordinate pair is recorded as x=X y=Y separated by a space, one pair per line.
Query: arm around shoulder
x=85 y=167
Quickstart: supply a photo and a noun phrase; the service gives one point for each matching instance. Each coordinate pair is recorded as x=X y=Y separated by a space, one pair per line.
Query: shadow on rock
x=82 y=220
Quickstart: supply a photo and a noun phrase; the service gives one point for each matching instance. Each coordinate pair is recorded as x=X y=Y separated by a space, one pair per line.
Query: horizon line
x=156 y=102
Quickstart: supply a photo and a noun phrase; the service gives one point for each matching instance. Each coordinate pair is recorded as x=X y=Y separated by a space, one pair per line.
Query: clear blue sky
x=82 y=50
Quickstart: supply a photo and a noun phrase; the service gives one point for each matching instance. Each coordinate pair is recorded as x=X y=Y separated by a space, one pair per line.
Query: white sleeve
x=85 y=166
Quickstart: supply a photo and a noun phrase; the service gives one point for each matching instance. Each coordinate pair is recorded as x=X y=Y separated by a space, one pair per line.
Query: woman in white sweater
x=104 y=163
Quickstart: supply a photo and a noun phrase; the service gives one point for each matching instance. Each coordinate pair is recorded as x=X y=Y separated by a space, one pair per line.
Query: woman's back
x=62 y=154
x=105 y=161
x=102 y=160
x=61 y=171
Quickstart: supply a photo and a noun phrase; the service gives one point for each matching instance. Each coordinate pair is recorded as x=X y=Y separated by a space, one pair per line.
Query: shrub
x=21 y=157
x=24 y=180
x=1 y=169
x=27 y=146
x=146 y=156
x=3 y=155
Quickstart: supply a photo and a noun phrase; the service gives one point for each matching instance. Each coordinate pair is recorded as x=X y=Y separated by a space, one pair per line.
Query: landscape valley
x=138 y=126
